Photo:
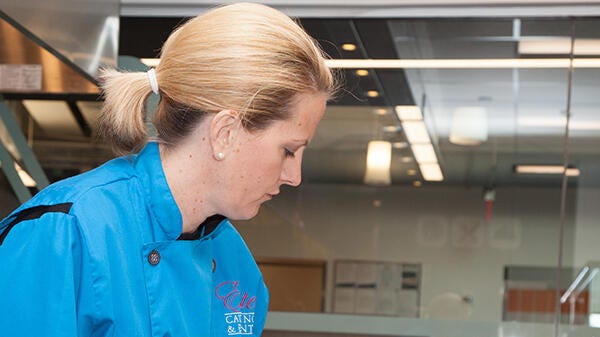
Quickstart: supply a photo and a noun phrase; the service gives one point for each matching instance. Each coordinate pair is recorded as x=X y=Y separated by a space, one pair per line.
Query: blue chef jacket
x=102 y=254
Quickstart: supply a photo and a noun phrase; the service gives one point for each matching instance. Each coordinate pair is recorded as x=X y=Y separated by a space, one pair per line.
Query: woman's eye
x=289 y=153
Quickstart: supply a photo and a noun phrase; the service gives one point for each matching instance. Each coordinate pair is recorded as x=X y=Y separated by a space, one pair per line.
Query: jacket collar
x=167 y=223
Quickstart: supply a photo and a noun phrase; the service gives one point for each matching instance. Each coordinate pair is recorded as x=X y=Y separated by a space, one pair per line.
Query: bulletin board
x=294 y=284
x=377 y=288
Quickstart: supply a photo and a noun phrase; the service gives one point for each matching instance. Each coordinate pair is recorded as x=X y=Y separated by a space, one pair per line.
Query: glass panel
x=584 y=141
x=486 y=238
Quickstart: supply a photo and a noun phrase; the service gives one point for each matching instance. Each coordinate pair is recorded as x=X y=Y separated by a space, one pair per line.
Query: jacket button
x=154 y=257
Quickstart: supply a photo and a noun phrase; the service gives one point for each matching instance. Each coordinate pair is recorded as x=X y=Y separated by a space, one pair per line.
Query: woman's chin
x=246 y=214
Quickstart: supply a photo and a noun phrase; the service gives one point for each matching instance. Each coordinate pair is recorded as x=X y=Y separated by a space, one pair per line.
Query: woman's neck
x=188 y=179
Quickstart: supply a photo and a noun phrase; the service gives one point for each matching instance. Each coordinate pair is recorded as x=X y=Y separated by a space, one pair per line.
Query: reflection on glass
x=490 y=260
x=487 y=260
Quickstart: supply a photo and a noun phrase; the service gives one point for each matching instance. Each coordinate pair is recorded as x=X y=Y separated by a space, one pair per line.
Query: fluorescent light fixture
x=559 y=46
x=462 y=63
x=546 y=169
x=25 y=177
x=586 y=63
x=150 y=62
x=362 y=72
x=408 y=112
x=424 y=153
x=349 y=47
x=469 y=126
x=431 y=172
x=411 y=172
x=379 y=159
x=418 y=136
x=542 y=122
x=416 y=132
x=446 y=63
x=558 y=122
x=372 y=93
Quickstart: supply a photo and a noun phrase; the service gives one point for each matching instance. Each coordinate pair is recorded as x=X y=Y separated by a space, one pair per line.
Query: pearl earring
x=220 y=156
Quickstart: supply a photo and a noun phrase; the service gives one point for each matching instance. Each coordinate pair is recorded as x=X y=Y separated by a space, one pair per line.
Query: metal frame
x=379 y=8
x=29 y=159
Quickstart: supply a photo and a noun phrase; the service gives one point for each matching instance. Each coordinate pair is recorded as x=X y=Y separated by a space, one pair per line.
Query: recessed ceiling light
x=399 y=145
x=372 y=93
x=390 y=128
x=411 y=172
x=380 y=111
x=349 y=47
x=362 y=72
x=417 y=183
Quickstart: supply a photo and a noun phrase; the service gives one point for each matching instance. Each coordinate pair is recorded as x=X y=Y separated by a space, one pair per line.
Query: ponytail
x=122 y=120
x=257 y=67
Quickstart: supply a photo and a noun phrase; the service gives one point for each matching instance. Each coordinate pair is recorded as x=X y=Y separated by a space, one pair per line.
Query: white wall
x=420 y=225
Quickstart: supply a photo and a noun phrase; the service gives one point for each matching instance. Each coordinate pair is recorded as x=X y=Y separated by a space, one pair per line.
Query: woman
x=142 y=246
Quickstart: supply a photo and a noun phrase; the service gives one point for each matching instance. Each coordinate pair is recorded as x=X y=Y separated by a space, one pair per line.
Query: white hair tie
x=153 y=81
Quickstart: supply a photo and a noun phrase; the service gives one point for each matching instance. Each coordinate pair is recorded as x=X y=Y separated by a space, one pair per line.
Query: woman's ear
x=223 y=130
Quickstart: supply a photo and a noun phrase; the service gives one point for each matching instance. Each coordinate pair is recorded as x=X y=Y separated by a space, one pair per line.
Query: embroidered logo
x=239 y=323
x=236 y=301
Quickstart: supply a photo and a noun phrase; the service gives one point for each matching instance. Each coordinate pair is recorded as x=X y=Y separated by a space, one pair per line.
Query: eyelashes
x=289 y=153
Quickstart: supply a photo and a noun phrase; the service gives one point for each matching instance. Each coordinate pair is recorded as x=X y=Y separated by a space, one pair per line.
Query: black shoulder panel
x=34 y=213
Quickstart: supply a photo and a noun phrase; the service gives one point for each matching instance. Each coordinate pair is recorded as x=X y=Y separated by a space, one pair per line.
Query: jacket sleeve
x=40 y=276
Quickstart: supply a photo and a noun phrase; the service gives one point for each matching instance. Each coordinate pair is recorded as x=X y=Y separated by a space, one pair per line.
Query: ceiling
x=524 y=107
x=517 y=101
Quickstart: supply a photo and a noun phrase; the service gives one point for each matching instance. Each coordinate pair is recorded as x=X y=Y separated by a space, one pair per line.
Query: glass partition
x=583 y=144
x=499 y=239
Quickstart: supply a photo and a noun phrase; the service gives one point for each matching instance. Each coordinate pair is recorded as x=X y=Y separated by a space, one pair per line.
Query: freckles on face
x=267 y=159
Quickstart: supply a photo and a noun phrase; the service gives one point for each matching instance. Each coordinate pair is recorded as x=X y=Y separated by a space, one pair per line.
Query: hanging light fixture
x=469 y=126
x=379 y=159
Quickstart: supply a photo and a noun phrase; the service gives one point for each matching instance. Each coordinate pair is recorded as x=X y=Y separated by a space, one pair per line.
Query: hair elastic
x=153 y=81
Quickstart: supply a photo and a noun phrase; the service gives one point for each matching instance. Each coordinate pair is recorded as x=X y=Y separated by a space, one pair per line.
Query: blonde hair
x=245 y=57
